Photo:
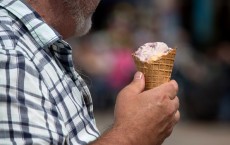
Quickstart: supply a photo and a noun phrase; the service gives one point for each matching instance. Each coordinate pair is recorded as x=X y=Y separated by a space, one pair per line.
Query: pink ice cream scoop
x=152 y=51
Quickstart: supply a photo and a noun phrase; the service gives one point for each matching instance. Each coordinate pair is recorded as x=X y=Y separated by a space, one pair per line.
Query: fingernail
x=138 y=76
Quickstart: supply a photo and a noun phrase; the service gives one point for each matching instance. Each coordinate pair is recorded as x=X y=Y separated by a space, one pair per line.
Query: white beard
x=83 y=24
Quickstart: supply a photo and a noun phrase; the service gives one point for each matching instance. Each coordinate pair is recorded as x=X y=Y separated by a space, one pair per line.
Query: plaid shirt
x=42 y=98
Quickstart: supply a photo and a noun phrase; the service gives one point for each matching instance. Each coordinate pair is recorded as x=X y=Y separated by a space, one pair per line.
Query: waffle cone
x=156 y=72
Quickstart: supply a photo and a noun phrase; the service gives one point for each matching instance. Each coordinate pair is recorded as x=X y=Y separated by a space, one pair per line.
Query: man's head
x=68 y=17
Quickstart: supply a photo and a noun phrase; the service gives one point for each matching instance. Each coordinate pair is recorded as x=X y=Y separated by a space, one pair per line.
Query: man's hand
x=143 y=117
x=147 y=117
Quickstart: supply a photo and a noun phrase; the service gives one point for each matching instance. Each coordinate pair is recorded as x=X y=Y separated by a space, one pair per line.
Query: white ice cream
x=152 y=51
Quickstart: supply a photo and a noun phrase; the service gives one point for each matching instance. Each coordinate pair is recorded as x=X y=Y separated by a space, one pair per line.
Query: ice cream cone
x=156 y=72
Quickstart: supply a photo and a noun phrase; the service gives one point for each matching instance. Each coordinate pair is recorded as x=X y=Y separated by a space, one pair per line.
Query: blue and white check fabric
x=43 y=100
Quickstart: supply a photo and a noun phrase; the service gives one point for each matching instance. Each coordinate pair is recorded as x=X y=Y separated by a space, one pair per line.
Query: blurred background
x=199 y=29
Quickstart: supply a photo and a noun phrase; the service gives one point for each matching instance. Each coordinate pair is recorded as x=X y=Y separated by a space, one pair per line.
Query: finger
x=171 y=88
x=173 y=106
x=168 y=89
x=174 y=121
x=176 y=103
x=177 y=116
x=136 y=86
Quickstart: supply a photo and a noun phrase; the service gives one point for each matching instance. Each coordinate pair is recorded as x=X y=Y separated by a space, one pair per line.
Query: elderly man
x=43 y=100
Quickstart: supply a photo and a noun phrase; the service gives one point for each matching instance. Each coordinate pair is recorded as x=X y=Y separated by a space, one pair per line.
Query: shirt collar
x=42 y=33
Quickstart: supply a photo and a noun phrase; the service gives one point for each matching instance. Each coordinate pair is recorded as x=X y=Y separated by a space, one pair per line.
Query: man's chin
x=83 y=28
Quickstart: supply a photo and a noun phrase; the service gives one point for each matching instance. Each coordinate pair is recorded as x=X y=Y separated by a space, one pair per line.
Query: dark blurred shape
x=206 y=21
x=205 y=75
x=103 y=12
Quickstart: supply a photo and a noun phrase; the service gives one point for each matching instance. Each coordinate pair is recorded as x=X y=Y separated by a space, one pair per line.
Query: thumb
x=136 y=86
